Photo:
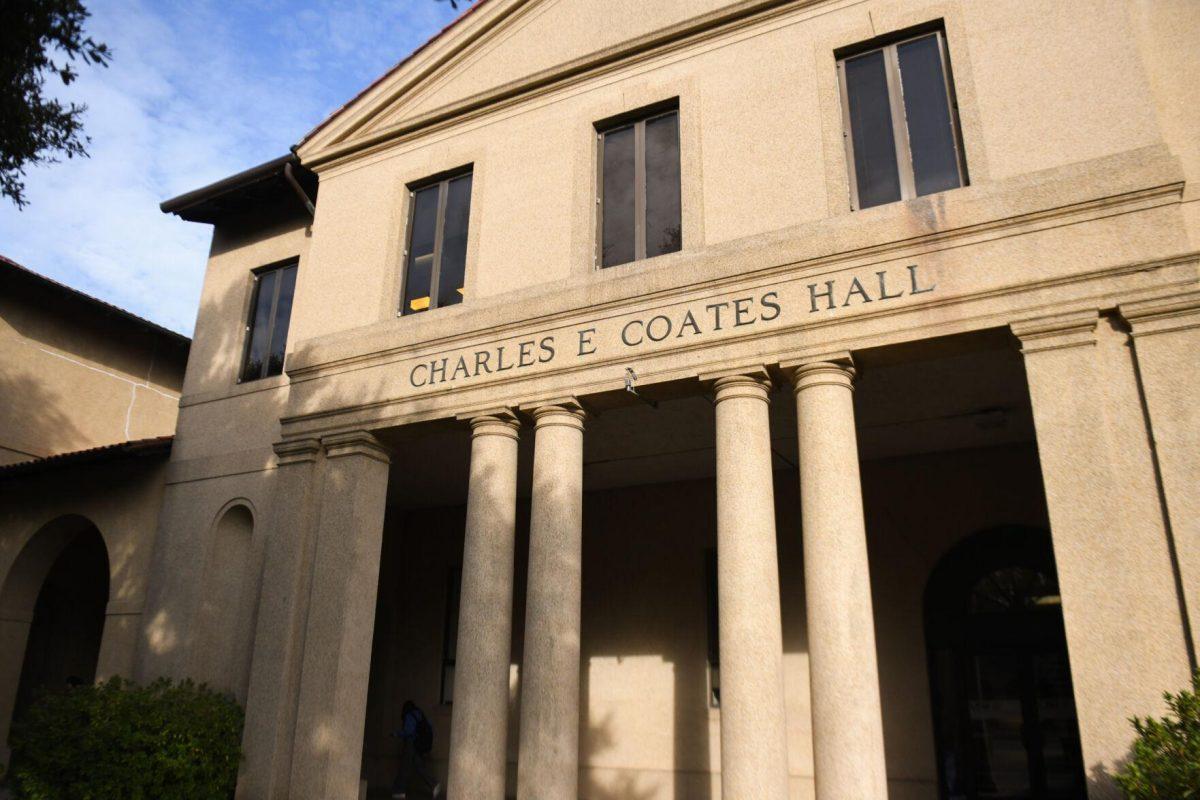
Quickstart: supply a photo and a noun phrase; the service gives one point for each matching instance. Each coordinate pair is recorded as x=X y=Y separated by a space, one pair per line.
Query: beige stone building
x=88 y=400
x=77 y=373
x=698 y=399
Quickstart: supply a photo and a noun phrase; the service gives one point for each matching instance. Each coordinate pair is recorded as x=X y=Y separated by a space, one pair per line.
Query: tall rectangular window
x=640 y=210
x=450 y=634
x=436 y=258
x=901 y=121
x=270 y=315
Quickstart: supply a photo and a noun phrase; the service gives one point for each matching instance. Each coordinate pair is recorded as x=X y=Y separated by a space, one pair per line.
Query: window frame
x=247 y=335
x=904 y=166
x=442 y=181
x=636 y=119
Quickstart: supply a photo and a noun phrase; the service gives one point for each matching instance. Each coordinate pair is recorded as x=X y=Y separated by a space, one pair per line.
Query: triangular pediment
x=492 y=49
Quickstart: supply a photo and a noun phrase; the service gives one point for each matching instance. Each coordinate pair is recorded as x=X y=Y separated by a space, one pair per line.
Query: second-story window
x=901 y=122
x=270 y=315
x=436 y=263
x=639 y=187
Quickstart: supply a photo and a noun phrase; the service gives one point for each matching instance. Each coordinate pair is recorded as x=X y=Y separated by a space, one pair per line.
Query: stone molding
x=568 y=412
x=1162 y=314
x=496 y=423
x=829 y=369
x=754 y=384
x=1058 y=331
x=356 y=443
x=296 y=451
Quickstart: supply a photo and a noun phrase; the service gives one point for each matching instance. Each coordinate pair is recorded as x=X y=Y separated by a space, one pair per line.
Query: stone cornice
x=1074 y=329
x=356 y=443
x=297 y=451
x=1176 y=312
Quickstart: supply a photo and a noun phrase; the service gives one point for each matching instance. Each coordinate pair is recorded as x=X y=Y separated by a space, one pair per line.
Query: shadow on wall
x=36 y=417
x=644 y=619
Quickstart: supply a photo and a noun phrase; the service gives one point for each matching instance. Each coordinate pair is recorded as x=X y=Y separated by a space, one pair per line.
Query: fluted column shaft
x=480 y=715
x=548 y=764
x=846 y=712
x=753 y=730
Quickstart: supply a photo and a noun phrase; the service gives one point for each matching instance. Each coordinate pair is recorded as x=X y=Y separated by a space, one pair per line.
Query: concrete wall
x=74 y=375
x=647 y=731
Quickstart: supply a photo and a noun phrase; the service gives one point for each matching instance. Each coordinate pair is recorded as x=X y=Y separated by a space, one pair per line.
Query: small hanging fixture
x=630 y=380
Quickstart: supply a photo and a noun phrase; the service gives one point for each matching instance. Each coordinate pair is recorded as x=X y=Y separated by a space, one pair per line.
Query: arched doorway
x=52 y=609
x=1003 y=707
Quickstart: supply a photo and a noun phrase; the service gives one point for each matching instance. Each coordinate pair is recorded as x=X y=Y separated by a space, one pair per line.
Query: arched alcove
x=52 y=611
x=1003 y=705
x=228 y=607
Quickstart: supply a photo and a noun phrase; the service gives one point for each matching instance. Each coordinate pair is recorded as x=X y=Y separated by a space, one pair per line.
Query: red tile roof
x=136 y=448
x=35 y=277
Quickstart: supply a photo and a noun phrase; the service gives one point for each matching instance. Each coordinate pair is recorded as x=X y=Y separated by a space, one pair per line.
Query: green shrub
x=119 y=741
x=1165 y=764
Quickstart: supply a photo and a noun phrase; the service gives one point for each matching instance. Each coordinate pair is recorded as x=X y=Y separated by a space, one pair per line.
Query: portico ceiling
x=938 y=395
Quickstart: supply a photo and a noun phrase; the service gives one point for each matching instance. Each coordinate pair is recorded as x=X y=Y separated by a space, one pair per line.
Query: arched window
x=1004 y=712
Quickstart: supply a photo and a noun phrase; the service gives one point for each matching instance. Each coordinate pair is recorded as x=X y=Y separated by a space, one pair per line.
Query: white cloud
x=196 y=91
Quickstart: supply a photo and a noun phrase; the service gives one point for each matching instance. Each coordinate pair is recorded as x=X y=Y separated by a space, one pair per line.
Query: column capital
x=296 y=451
x=493 y=422
x=356 y=443
x=825 y=369
x=1162 y=314
x=496 y=425
x=752 y=380
x=1056 y=331
x=558 y=411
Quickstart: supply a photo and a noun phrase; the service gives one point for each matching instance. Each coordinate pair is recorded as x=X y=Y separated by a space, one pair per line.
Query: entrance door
x=1004 y=712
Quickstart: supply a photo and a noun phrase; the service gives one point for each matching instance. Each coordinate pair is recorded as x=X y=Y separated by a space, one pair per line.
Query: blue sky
x=196 y=91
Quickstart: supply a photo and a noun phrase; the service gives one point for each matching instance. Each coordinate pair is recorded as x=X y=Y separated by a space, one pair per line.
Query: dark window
x=714 y=629
x=640 y=213
x=436 y=262
x=902 y=137
x=450 y=634
x=270 y=314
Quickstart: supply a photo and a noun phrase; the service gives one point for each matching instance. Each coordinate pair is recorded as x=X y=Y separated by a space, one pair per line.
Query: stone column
x=279 y=635
x=1120 y=599
x=847 y=719
x=754 y=761
x=1166 y=342
x=548 y=763
x=327 y=757
x=480 y=716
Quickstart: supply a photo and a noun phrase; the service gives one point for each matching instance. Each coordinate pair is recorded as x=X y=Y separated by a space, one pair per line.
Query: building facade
x=702 y=399
x=88 y=400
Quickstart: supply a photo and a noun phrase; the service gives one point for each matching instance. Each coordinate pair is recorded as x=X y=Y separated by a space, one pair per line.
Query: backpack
x=423 y=741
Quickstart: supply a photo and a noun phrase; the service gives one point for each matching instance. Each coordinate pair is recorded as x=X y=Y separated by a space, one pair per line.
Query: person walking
x=416 y=740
